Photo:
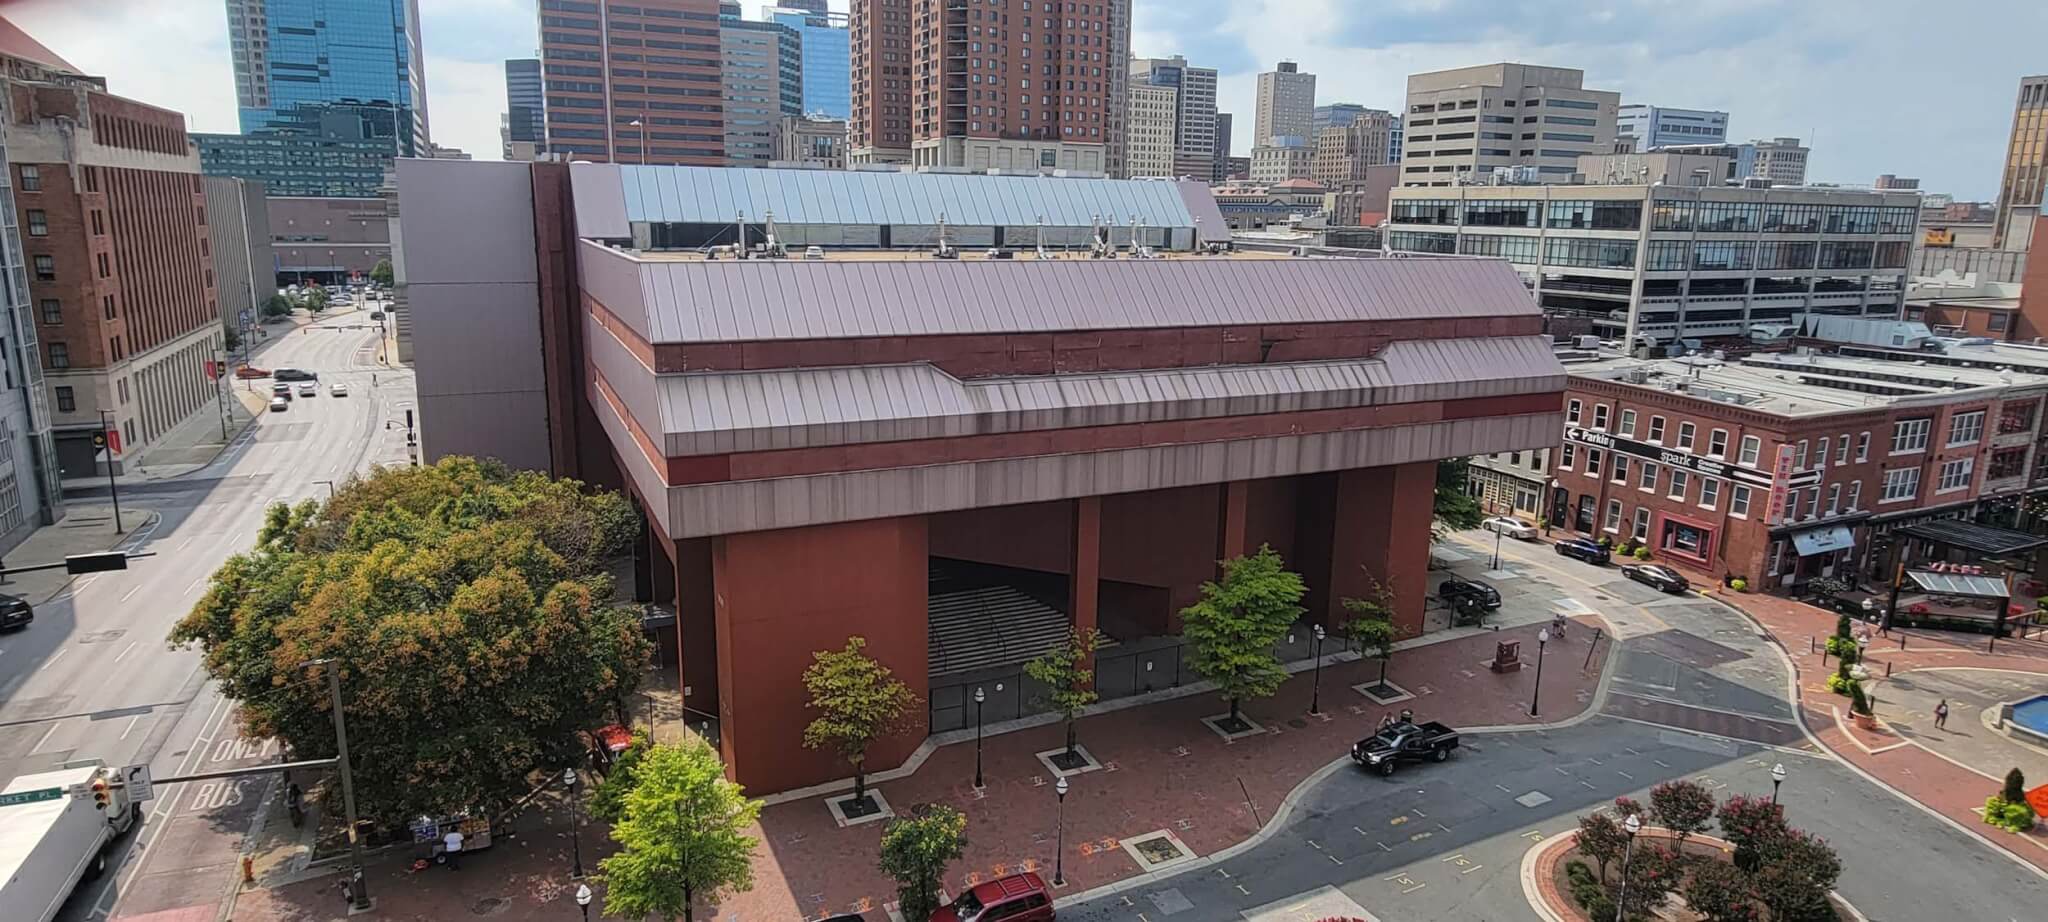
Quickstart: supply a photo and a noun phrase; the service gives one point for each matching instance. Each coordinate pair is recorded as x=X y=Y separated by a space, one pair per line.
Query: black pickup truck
x=1406 y=741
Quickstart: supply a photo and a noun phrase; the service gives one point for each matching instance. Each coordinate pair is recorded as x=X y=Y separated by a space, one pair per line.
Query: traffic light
x=102 y=796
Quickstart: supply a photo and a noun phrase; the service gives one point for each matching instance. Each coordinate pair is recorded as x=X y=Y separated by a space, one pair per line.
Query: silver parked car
x=1511 y=527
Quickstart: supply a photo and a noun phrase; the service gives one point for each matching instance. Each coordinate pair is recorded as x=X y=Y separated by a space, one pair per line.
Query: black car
x=1405 y=741
x=1585 y=549
x=293 y=374
x=1455 y=591
x=1656 y=577
x=15 y=612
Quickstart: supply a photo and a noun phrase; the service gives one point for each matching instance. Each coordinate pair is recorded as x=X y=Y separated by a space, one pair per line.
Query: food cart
x=428 y=833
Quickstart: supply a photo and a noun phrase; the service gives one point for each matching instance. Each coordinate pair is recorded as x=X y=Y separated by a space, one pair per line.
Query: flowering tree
x=1751 y=823
x=1683 y=806
x=1601 y=839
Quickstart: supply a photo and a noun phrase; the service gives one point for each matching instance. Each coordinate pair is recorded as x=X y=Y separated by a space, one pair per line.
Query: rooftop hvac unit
x=1588 y=342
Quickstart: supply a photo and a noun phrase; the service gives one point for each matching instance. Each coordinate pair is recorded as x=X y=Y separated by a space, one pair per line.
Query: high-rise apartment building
x=1343 y=150
x=1892 y=181
x=1780 y=160
x=1286 y=105
x=1336 y=113
x=1148 y=127
x=1465 y=123
x=31 y=493
x=1221 y=169
x=826 y=56
x=2026 y=153
x=120 y=268
x=238 y=226
x=1194 y=115
x=525 y=111
x=290 y=54
x=762 y=70
x=635 y=83
x=957 y=83
x=1650 y=127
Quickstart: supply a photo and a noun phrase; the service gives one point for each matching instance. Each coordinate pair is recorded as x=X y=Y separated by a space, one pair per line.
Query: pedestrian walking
x=1941 y=714
x=295 y=803
x=451 y=848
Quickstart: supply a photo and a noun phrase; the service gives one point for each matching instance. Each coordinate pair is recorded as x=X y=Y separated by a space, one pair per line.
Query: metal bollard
x=1902 y=646
x=1887 y=670
x=1809 y=643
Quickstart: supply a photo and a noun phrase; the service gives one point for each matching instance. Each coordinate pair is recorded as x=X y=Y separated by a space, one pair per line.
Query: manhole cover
x=486 y=906
x=1298 y=723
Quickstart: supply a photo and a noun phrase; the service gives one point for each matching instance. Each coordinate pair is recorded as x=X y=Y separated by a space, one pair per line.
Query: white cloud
x=464 y=99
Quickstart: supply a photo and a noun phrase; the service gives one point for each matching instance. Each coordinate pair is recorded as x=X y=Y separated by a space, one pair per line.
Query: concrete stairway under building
x=988 y=627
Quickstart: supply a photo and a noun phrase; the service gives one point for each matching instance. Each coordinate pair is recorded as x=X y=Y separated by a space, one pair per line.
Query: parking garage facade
x=960 y=460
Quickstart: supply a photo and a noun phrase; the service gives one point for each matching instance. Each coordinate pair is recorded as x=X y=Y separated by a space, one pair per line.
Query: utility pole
x=220 y=390
x=348 y=784
x=113 y=487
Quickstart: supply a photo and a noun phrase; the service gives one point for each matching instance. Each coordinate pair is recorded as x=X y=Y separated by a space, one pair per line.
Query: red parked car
x=1016 y=898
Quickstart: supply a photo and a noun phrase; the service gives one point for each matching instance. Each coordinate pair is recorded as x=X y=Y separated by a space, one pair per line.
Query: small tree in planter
x=1651 y=873
x=1070 y=684
x=1372 y=628
x=857 y=700
x=915 y=852
x=1232 y=631
x=1797 y=871
x=2008 y=809
x=1859 y=706
x=1750 y=823
x=1684 y=807
x=1721 y=892
x=1601 y=839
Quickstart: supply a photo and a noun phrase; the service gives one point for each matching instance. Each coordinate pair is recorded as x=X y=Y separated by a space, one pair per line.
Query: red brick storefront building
x=1782 y=468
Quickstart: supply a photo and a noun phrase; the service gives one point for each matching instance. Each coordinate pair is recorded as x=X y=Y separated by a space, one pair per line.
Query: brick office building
x=114 y=229
x=1782 y=468
x=957 y=454
x=633 y=83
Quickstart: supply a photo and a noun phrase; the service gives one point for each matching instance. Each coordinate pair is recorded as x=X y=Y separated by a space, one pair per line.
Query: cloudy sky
x=1910 y=87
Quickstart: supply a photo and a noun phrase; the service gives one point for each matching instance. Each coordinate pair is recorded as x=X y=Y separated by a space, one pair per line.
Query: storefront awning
x=1983 y=587
x=1824 y=540
x=1970 y=536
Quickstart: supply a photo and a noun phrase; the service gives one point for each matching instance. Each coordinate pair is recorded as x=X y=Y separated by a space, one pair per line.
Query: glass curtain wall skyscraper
x=290 y=54
x=827 y=58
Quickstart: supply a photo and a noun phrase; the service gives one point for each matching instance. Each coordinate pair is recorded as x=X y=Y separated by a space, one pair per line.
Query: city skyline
x=176 y=56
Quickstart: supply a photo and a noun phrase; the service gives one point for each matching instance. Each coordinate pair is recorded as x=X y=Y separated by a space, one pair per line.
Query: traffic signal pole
x=106 y=441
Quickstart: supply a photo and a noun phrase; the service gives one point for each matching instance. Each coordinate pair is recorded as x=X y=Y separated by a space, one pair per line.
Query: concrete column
x=644 y=553
x=780 y=596
x=1085 y=569
x=696 y=627
x=1381 y=532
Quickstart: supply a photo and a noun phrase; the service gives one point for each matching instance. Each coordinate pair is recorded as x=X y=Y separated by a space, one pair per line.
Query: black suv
x=1457 y=591
x=293 y=374
x=15 y=612
x=1585 y=549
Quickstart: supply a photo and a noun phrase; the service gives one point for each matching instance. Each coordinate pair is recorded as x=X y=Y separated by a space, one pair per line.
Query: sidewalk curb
x=1300 y=792
x=129 y=542
x=1530 y=858
x=1792 y=682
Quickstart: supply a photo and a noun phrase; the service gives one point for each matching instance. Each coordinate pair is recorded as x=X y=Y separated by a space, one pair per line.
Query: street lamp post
x=1059 y=854
x=1542 y=639
x=583 y=900
x=575 y=821
x=1497 y=534
x=1777 y=778
x=636 y=123
x=1315 y=699
x=979 y=697
x=1633 y=825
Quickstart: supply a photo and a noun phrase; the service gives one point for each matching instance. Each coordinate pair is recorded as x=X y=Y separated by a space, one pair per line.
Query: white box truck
x=54 y=832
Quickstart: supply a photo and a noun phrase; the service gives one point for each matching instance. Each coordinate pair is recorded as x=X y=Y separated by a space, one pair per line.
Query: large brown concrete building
x=633 y=83
x=120 y=267
x=985 y=84
x=962 y=457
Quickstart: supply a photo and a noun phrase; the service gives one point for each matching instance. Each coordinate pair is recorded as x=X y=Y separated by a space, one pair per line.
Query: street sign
x=29 y=797
x=136 y=777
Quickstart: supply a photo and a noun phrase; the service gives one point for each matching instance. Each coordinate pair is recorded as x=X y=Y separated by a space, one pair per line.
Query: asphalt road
x=94 y=678
x=1696 y=693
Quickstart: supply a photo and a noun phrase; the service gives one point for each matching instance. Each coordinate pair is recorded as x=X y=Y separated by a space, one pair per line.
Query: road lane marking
x=131 y=592
x=38 y=748
x=54 y=657
x=131 y=648
x=195 y=583
x=132 y=721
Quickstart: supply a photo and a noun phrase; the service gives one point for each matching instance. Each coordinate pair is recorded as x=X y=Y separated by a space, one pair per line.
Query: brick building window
x=1678 y=485
x=1620 y=469
x=1965 y=428
x=66 y=400
x=60 y=355
x=1738 y=501
x=1751 y=447
x=1593 y=462
x=1900 y=485
x=1842 y=450
x=106 y=268
x=1657 y=429
x=1565 y=457
x=92 y=179
x=1599 y=416
x=53 y=311
x=1834 y=498
x=2007 y=462
x=107 y=303
x=1572 y=410
x=1955 y=475
x=1710 y=492
x=115 y=345
x=99 y=224
x=1717 y=443
x=38 y=222
x=1613 y=522
x=1647 y=481
x=1820 y=452
x=1910 y=435
x=1642 y=529
x=1628 y=423
x=31 y=178
x=46 y=268
x=1855 y=495
x=1686 y=431
x=1863 y=446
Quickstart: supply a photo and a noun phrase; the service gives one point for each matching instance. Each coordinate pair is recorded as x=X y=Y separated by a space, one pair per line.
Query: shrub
x=608 y=799
x=1739 y=584
x=1642 y=553
x=1837 y=645
x=2015 y=790
x=1840 y=683
x=1859 y=703
x=1587 y=892
x=2008 y=815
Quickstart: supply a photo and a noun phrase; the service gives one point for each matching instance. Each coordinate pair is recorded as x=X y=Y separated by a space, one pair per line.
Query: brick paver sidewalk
x=1953 y=790
x=1162 y=770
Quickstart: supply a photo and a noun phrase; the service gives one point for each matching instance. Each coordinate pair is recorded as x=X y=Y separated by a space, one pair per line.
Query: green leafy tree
x=1064 y=671
x=684 y=836
x=1602 y=839
x=608 y=798
x=1795 y=875
x=381 y=273
x=2015 y=790
x=467 y=610
x=1456 y=508
x=1232 y=631
x=313 y=299
x=230 y=340
x=275 y=306
x=1684 y=806
x=915 y=852
x=857 y=700
x=1721 y=892
x=1372 y=625
x=1751 y=824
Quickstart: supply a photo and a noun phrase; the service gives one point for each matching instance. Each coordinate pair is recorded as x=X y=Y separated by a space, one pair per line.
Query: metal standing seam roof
x=717 y=195
x=732 y=301
x=759 y=410
x=1983 y=587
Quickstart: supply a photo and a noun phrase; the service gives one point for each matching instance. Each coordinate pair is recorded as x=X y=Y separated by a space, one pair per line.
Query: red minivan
x=1016 y=898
